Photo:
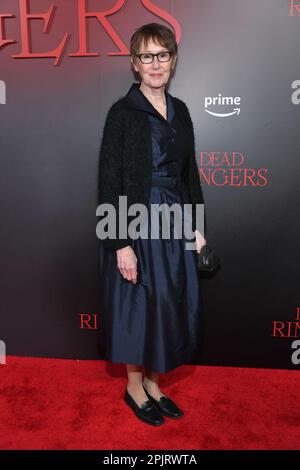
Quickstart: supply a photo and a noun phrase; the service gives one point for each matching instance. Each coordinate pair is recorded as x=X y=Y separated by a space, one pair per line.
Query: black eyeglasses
x=147 y=58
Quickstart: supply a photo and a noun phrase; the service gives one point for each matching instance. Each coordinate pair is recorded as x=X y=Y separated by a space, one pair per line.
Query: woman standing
x=150 y=289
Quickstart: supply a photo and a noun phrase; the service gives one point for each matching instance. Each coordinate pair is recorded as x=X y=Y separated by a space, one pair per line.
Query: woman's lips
x=155 y=74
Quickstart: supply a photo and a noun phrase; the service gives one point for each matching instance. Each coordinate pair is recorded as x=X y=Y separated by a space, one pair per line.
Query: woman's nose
x=155 y=62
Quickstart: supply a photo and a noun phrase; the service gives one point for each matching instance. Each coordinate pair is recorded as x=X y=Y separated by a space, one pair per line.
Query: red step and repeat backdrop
x=62 y=64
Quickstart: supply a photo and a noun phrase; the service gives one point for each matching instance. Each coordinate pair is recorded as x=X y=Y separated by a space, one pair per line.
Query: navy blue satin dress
x=155 y=322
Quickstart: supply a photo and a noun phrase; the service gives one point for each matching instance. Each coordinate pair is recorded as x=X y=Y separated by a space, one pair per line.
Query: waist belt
x=166 y=181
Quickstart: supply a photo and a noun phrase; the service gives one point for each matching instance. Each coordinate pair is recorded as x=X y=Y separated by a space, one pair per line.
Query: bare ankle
x=137 y=392
x=149 y=383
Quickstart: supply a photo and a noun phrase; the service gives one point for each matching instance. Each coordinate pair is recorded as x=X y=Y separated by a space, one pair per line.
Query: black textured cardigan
x=125 y=166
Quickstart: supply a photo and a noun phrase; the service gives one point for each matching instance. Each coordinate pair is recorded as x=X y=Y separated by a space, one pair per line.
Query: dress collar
x=136 y=99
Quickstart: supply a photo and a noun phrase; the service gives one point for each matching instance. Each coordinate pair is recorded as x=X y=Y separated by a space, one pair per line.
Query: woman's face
x=156 y=74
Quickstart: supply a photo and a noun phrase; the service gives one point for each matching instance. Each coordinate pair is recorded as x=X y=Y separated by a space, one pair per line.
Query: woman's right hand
x=127 y=263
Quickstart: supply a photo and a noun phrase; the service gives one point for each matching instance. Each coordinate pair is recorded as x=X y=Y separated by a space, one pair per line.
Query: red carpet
x=69 y=404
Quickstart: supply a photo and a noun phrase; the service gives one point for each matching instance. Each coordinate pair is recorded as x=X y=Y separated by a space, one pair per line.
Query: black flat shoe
x=146 y=412
x=166 y=406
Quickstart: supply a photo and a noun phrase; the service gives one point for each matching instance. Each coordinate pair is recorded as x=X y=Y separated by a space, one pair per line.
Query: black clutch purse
x=207 y=259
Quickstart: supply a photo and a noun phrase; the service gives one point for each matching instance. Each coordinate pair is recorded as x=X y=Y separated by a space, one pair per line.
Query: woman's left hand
x=200 y=241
